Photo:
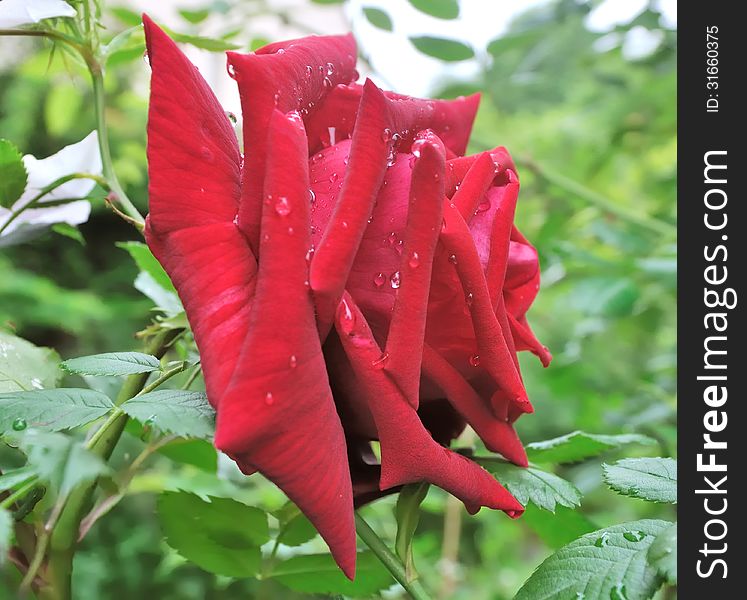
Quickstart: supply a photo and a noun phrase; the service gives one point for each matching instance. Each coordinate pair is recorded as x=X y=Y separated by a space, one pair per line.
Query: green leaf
x=126 y=16
x=204 y=43
x=198 y=453
x=663 y=554
x=443 y=49
x=13 y=176
x=546 y=490
x=51 y=410
x=24 y=366
x=127 y=39
x=257 y=43
x=60 y=461
x=608 y=564
x=148 y=263
x=652 y=479
x=327 y=1
x=221 y=536
x=297 y=530
x=69 y=231
x=378 y=18
x=16 y=477
x=318 y=574
x=559 y=528
x=407 y=511
x=165 y=300
x=6 y=534
x=112 y=364
x=183 y=413
x=441 y=9
x=578 y=445
x=194 y=16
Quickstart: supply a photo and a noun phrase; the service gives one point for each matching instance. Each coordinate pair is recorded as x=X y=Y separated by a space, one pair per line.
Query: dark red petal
x=289 y=76
x=474 y=186
x=193 y=169
x=497 y=434
x=278 y=413
x=339 y=245
x=193 y=155
x=408 y=452
x=450 y=120
x=495 y=354
x=457 y=168
x=404 y=344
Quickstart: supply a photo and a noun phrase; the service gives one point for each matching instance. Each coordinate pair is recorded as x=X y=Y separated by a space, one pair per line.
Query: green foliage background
x=594 y=136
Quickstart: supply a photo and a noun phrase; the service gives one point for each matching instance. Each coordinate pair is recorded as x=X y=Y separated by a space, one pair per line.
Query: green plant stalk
x=50 y=188
x=64 y=537
x=97 y=79
x=594 y=198
x=388 y=559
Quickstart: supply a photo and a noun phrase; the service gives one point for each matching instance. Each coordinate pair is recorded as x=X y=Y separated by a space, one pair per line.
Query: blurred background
x=581 y=93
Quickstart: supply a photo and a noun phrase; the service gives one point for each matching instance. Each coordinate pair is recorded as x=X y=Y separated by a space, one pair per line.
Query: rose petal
x=289 y=76
x=278 y=405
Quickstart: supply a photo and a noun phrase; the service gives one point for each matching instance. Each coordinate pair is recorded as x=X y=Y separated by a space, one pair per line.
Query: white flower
x=82 y=157
x=23 y=12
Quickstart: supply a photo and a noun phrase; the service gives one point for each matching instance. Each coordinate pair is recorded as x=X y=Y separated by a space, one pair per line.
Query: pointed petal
x=404 y=343
x=279 y=405
x=408 y=452
x=193 y=154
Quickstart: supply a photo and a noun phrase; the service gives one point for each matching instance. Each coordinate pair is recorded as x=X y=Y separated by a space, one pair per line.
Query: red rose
x=353 y=278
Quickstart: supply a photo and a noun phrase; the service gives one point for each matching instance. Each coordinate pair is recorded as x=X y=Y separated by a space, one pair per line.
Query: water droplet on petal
x=395 y=280
x=414 y=261
x=484 y=206
x=347 y=319
x=282 y=206
x=266 y=237
x=310 y=254
x=292 y=361
x=291 y=230
x=386 y=135
x=333 y=177
x=269 y=399
x=308 y=71
x=379 y=279
x=453 y=259
x=19 y=424
x=330 y=68
x=474 y=360
x=391 y=238
x=344 y=224
x=469 y=298
x=312 y=196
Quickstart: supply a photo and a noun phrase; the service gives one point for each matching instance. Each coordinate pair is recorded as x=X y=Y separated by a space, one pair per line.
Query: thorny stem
x=97 y=78
x=64 y=537
x=388 y=559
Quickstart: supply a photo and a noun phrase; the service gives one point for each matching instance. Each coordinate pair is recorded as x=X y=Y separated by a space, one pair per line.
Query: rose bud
x=351 y=279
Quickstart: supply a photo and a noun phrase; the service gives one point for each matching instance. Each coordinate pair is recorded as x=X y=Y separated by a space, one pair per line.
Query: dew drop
x=344 y=224
x=602 y=540
x=310 y=254
x=395 y=280
x=634 y=536
x=266 y=237
x=469 y=298
x=386 y=135
x=474 y=360
x=379 y=279
x=292 y=361
x=618 y=592
x=330 y=68
x=333 y=177
x=347 y=320
x=269 y=399
x=291 y=231
x=391 y=238
x=484 y=206
x=453 y=259
x=414 y=261
x=282 y=206
x=312 y=196
x=19 y=424
x=232 y=117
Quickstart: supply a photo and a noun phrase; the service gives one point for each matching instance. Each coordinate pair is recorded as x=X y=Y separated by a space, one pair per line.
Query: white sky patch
x=641 y=42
